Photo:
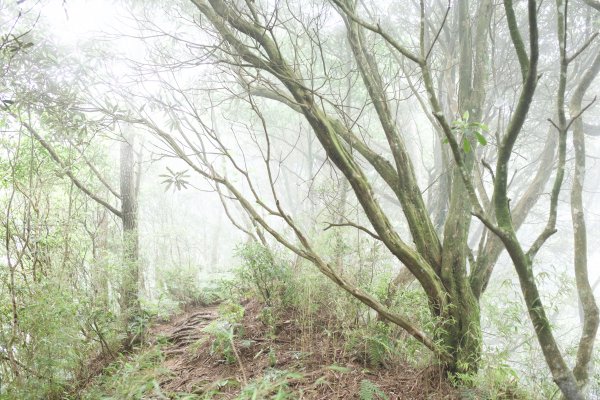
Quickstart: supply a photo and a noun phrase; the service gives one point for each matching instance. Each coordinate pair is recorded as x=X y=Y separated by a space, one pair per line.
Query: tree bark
x=129 y=288
x=584 y=289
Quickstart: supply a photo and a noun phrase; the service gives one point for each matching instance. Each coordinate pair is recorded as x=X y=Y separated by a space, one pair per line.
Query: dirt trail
x=309 y=366
x=181 y=334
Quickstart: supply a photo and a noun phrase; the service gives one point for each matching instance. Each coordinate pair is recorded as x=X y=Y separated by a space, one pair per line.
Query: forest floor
x=286 y=363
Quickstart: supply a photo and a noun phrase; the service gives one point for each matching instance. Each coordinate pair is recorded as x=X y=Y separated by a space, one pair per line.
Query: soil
x=310 y=365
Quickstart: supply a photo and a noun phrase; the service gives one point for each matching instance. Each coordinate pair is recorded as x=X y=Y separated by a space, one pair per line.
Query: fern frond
x=370 y=391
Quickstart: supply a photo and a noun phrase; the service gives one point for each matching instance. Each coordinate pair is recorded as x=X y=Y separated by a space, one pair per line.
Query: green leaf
x=466 y=145
x=465 y=116
x=480 y=138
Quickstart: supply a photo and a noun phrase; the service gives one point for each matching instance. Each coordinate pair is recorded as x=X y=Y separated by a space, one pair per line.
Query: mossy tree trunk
x=461 y=331
x=523 y=259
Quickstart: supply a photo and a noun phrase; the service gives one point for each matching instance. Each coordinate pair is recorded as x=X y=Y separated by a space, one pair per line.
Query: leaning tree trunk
x=523 y=260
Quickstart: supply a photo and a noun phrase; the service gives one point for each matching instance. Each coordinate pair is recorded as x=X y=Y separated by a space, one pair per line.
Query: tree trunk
x=129 y=301
x=461 y=332
x=584 y=289
x=100 y=253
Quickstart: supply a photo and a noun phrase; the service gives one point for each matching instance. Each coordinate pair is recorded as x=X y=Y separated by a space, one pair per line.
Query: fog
x=362 y=143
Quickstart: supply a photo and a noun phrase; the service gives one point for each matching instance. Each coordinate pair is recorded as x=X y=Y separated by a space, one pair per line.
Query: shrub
x=263 y=273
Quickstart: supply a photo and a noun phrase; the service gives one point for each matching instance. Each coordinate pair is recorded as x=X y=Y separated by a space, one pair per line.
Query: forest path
x=181 y=334
x=284 y=359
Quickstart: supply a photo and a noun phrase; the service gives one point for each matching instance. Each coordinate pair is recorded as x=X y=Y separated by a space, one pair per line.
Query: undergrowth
x=130 y=377
x=294 y=294
x=370 y=391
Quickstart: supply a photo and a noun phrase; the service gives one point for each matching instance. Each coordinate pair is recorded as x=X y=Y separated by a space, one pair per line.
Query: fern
x=273 y=385
x=378 y=349
x=223 y=335
x=225 y=329
x=370 y=391
x=372 y=344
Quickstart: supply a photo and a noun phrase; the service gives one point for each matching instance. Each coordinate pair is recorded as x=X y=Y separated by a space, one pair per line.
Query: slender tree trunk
x=584 y=289
x=216 y=239
x=99 y=276
x=12 y=289
x=129 y=291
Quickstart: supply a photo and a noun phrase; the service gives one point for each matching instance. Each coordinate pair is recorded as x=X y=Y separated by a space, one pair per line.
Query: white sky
x=75 y=20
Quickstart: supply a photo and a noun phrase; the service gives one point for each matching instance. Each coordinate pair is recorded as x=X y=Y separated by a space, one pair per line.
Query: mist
x=407 y=191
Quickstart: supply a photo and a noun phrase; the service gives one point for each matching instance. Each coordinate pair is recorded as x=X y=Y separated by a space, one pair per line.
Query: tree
x=584 y=289
x=259 y=46
x=129 y=286
x=52 y=115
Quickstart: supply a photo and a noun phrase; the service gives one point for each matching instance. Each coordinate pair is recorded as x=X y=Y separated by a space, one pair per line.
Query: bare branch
x=359 y=227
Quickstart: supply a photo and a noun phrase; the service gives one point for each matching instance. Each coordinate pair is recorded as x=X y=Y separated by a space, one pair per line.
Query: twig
x=437 y=35
x=580 y=113
x=582 y=48
x=239 y=360
x=489 y=168
x=362 y=228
